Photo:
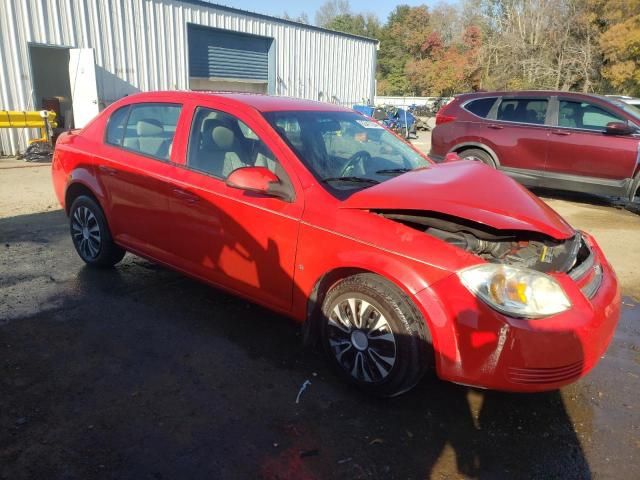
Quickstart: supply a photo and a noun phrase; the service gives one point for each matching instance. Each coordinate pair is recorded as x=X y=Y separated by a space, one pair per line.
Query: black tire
x=477 y=155
x=90 y=234
x=363 y=358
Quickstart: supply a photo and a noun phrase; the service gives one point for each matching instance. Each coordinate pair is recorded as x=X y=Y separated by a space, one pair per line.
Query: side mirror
x=259 y=180
x=451 y=157
x=619 y=128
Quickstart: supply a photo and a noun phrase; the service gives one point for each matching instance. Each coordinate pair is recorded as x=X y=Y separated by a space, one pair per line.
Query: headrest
x=223 y=137
x=209 y=124
x=149 y=127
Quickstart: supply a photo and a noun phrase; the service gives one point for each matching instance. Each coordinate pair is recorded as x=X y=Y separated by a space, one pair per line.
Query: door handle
x=495 y=127
x=563 y=133
x=184 y=195
x=108 y=170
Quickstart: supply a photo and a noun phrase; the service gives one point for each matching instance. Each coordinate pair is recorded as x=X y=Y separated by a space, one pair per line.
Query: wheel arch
x=461 y=147
x=330 y=278
x=84 y=182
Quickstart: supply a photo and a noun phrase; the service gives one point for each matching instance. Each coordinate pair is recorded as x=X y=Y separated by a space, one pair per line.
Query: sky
x=294 y=8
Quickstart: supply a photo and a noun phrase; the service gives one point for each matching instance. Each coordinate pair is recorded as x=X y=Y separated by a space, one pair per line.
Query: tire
x=386 y=352
x=90 y=234
x=477 y=155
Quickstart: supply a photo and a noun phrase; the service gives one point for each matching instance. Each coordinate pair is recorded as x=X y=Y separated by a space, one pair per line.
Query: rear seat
x=150 y=140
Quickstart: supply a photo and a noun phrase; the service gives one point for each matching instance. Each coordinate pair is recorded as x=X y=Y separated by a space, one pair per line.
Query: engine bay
x=519 y=248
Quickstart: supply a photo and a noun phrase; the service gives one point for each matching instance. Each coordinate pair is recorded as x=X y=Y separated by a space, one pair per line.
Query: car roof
x=260 y=102
x=531 y=93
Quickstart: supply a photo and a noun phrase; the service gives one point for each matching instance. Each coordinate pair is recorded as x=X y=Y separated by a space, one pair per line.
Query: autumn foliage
x=583 y=45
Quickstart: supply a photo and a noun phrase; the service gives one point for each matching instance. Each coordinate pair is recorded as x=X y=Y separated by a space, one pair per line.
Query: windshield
x=345 y=150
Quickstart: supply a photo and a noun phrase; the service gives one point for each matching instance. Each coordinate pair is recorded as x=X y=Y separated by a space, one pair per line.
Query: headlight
x=515 y=291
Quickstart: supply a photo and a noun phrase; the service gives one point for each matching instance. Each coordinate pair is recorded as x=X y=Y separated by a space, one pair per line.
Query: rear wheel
x=477 y=155
x=90 y=234
x=374 y=336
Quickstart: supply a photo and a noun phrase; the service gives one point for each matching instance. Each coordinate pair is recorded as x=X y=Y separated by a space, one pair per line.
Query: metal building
x=84 y=54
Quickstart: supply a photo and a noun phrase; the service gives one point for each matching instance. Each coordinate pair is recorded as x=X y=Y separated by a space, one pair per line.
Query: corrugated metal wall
x=143 y=43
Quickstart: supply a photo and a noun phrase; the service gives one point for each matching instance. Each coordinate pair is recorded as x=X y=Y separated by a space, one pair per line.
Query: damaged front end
x=527 y=249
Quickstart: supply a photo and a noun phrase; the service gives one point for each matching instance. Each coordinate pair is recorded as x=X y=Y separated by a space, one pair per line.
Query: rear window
x=481 y=106
x=523 y=110
x=146 y=128
x=115 y=127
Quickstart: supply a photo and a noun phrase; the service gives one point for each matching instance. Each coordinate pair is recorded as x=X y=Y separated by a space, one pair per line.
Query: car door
x=243 y=241
x=136 y=173
x=518 y=131
x=579 y=146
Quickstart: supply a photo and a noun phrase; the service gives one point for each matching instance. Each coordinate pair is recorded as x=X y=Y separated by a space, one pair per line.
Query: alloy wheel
x=86 y=232
x=361 y=340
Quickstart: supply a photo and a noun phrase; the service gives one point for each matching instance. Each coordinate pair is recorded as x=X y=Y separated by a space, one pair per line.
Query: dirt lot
x=139 y=372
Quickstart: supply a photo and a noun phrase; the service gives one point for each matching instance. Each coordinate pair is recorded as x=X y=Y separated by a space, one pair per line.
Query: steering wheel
x=355 y=160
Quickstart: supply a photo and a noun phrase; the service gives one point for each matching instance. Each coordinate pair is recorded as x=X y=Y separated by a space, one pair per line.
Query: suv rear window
x=523 y=110
x=480 y=106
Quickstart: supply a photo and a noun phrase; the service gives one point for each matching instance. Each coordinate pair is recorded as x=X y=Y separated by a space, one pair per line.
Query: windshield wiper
x=388 y=171
x=351 y=180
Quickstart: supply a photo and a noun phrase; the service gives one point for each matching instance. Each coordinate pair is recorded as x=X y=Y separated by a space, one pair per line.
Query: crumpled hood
x=464 y=189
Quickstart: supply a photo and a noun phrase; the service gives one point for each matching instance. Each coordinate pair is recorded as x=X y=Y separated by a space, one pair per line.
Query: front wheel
x=374 y=336
x=90 y=234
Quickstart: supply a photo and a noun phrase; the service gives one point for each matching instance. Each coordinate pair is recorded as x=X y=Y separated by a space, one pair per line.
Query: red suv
x=568 y=141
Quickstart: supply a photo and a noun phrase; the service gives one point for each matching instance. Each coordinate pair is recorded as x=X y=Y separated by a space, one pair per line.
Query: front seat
x=222 y=155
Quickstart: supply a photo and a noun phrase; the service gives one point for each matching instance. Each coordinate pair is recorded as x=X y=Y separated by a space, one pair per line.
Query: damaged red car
x=394 y=264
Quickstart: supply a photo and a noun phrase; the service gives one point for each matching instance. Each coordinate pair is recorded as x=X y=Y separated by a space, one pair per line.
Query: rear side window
x=584 y=115
x=149 y=129
x=481 y=106
x=115 y=127
x=523 y=110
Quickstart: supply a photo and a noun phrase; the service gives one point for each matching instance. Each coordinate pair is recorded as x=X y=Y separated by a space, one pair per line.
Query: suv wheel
x=374 y=335
x=477 y=155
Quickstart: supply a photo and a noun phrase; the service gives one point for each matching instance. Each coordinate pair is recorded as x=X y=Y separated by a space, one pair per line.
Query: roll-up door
x=225 y=60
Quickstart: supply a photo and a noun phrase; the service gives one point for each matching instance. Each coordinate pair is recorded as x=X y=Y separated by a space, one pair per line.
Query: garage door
x=224 y=60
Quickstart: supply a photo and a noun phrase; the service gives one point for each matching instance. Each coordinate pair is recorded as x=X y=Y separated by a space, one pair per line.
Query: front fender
x=341 y=254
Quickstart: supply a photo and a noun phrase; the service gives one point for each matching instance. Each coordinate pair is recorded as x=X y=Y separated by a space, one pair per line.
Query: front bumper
x=475 y=345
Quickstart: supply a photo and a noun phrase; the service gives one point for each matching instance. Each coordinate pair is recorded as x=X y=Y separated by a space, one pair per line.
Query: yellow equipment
x=43 y=119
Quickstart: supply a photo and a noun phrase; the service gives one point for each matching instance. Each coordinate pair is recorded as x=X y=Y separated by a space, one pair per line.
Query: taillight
x=440 y=119
x=444 y=115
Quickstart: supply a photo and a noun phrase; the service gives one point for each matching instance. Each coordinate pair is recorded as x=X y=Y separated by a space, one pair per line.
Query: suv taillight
x=443 y=115
x=440 y=118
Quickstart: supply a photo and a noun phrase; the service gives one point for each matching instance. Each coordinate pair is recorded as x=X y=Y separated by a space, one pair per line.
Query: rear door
x=579 y=146
x=519 y=132
x=136 y=171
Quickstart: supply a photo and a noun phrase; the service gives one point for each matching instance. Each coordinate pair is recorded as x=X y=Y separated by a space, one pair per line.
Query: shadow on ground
x=139 y=372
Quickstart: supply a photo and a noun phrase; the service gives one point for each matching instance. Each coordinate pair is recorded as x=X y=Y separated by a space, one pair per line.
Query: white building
x=84 y=54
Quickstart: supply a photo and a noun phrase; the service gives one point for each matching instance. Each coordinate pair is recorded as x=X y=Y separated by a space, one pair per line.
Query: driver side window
x=585 y=116
x=220 y=143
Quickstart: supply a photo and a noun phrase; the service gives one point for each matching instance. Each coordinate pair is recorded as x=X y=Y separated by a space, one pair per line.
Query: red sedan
x=393 y=263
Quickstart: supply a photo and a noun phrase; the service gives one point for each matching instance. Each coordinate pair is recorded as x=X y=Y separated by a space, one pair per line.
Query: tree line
x=580 y=45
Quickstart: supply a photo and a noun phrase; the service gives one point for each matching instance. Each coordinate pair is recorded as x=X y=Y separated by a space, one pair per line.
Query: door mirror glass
x=619 y=128
x=258 y=180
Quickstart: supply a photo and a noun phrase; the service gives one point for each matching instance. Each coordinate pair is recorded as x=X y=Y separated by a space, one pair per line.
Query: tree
x=302 y=18
x=620 y=43
x=331 y=9
x=400 y=39
x=364 y=25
